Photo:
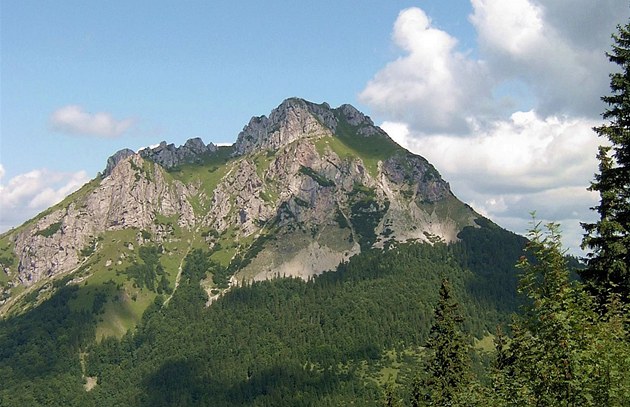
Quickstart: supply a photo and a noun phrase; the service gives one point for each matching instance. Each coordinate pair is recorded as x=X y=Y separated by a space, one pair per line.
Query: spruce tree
x=416 y=393
x=608 y=239
x=500 y=372
x=450 y=377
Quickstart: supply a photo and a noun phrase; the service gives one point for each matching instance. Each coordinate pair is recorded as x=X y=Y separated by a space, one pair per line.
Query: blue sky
x=463 y=83
x=178 y=69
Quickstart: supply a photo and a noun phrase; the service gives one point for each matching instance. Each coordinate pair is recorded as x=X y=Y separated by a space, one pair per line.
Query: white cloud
x=509 y=168
x=538 y=42
x=74 y=120
x=509 y=126
x=433 y=86
x=525 y=153
x=25 y=195
x=515 y=27
x=555 y=50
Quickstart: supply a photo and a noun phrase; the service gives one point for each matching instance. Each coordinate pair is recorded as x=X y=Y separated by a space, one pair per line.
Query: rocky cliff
x=299 y=192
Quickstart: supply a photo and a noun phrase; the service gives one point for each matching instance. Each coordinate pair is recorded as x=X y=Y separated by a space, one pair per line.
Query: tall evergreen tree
x=416 y=393
x=450 y=377
x=608 y=239
x=500 y=369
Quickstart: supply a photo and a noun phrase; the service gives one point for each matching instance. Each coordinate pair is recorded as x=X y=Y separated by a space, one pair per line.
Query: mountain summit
x=300 y=191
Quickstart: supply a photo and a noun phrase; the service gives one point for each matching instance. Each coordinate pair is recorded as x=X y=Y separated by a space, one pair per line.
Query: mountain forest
x=314 y=262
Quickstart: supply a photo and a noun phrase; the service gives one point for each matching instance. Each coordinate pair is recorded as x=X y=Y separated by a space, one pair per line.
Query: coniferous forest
x=327 y=341
x=416 y=324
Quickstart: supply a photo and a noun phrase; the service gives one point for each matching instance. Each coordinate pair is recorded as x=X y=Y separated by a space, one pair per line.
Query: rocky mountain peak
x=115 y=159
x=296 y=118
x=331 y=184
x=292 y=119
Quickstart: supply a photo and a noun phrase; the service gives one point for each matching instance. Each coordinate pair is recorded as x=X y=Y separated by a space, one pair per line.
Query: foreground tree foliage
x=608 y=271
x=562 y=352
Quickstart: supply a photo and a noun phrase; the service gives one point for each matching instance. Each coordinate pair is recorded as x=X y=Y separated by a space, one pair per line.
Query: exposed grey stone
x=124 y=199
x=419 y=176
x=354 y=117
x=293 y=119
x=115 y=159
x=169 y=156
x=250 y=199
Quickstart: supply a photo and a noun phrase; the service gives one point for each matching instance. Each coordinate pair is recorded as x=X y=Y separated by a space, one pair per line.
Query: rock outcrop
x=130 y=197
x=299 y=192
x=169 y=156
x=113 y=161
x=166 y=155
x=296 y=118
x=293 y=119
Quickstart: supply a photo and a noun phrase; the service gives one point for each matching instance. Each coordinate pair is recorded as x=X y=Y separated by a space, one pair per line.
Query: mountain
x=299 y=266
x=298 y=193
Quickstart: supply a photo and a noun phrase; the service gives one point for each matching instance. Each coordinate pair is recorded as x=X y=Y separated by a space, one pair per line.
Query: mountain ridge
x=261 y=133
x=162 y=280
x=299 y=192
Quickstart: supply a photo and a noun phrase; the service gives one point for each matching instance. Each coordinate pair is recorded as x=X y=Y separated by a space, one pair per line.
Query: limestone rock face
x=237 y=201
x=430 y=188
x=299 y=192
x=113 y=161
x=130 y=197
x=169 y=156
x=292 y=120
x=354 y=117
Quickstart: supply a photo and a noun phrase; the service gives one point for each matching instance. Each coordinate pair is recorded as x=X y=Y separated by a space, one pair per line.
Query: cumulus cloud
x=552 y=48
x=510 y=125
x=525 y=153
x=73 y=119
x=508 y=168
x=25 y=195
x=432 y=86
x=556 y=47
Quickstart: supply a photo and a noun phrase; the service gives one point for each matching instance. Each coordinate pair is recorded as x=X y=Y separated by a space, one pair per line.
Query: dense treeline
x=280 y=342
x=39 y=352
x=327 y=341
